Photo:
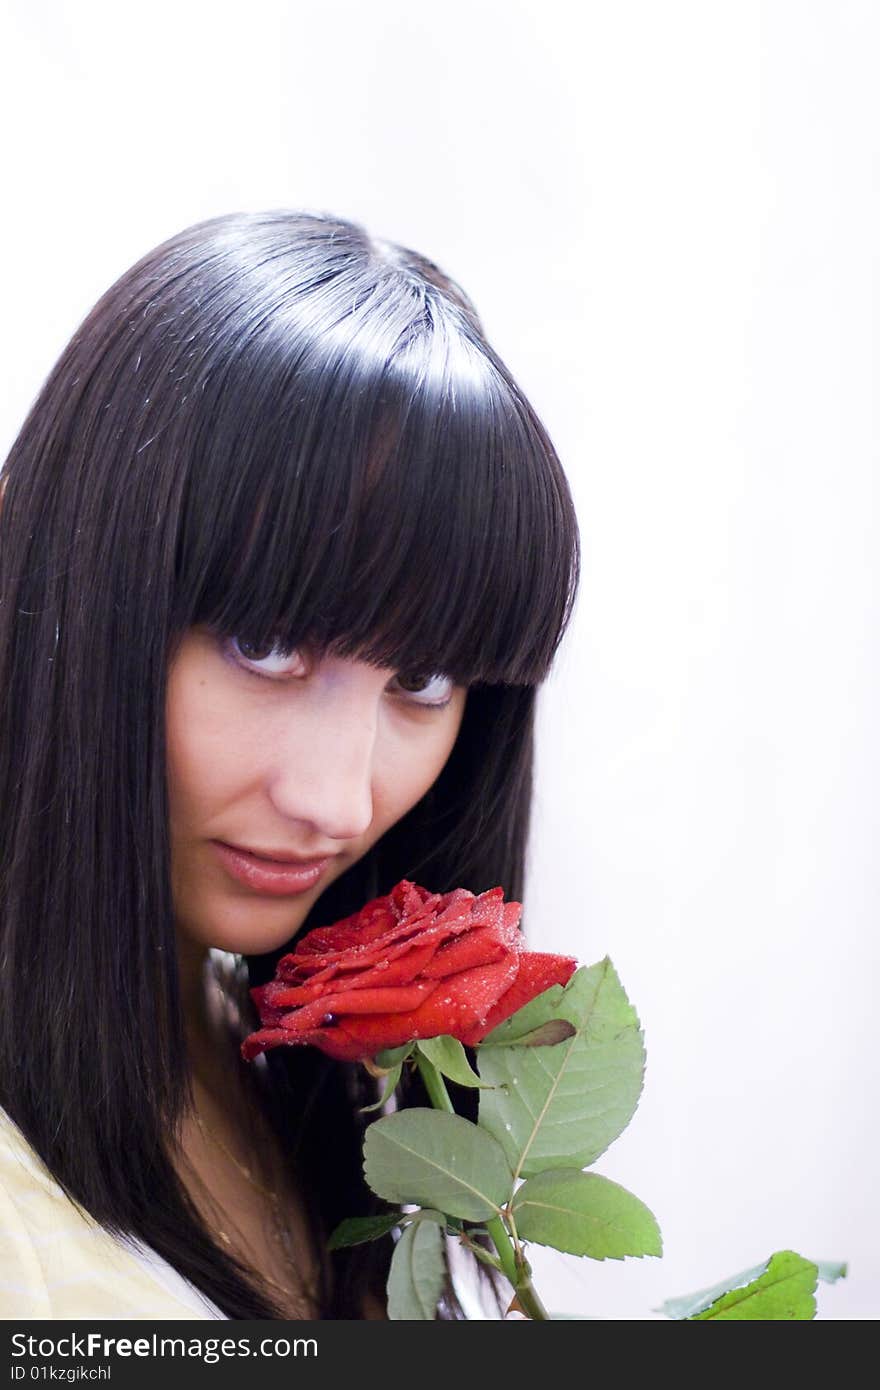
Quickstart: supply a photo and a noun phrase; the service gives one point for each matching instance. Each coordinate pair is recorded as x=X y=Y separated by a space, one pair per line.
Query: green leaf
x=355 y=1230
x=584 y=1214
x=449 y=1056
x=436 y=1160
x=416 y=1276
x=483 y=1255
x=555 y=1030
x=391 y=1081
x=782 y=1288
x=390 y=1056
x=561 y=1106
x=428 y=1214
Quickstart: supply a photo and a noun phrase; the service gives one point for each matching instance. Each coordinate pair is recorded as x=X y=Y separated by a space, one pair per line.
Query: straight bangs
x=380 y=491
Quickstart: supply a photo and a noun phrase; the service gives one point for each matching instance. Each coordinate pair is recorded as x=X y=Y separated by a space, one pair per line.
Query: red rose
x=410 y=965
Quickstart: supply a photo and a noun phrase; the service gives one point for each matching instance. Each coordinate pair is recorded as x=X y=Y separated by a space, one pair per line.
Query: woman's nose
x=324 y=771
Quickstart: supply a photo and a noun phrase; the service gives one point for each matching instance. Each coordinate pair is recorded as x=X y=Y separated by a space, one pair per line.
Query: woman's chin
x=251 y=931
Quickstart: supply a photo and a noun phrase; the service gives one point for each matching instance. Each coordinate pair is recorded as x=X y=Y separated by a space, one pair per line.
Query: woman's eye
x=273 y=660
x=433 y=687
x=430 y=688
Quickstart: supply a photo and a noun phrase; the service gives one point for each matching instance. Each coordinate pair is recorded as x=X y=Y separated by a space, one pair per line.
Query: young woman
x=284 y=555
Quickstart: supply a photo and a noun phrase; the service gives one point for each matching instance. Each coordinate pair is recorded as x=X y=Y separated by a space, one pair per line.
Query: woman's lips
x=268 y=875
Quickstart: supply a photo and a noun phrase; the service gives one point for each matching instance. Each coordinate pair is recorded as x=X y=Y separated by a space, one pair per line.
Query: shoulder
x=23 y=1291
x=56 y=1261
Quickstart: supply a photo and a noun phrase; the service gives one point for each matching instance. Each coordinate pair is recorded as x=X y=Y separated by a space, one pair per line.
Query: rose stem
x=527 y=1297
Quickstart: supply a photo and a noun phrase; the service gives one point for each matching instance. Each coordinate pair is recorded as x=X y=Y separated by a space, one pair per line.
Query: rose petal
x=537 y=971
x=345 y=965
x=463 y=1001
x=400 y=970
x=361 y=1001
x=300 y=964
x=261 y=1041
x=463 y=952
x=341 y=953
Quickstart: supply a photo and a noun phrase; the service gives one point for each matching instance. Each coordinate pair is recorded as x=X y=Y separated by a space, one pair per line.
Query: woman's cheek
x=421 y=756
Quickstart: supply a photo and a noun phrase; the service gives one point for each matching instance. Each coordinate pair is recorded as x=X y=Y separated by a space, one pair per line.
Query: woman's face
x=315 y=756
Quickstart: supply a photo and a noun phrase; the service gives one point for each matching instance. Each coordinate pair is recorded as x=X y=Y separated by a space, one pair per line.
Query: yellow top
x=56 y=1261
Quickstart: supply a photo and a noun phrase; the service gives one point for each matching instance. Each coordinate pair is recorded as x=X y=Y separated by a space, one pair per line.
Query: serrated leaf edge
x=415 y=1153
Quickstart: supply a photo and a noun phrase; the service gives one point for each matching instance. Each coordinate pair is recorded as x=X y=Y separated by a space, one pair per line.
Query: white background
x=667 y=215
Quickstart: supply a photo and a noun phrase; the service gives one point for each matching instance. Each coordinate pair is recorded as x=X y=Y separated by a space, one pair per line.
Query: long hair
x=282 y=427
